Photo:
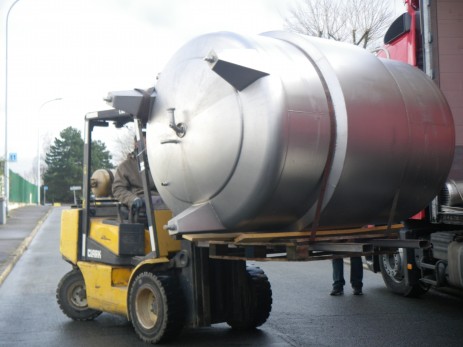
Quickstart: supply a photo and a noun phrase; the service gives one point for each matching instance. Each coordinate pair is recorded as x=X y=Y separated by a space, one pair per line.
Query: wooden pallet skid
x=328 y=244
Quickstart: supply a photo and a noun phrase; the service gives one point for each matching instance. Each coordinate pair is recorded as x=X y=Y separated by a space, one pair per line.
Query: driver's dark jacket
x=127 y=185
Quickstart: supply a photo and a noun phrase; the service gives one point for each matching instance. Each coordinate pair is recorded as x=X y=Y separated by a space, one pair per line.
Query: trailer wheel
x=392 y=270
x=155 y=307
x=72 y=297
x=256 y=308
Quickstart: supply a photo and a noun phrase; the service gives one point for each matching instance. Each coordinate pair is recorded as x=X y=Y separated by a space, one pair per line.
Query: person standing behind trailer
x=356 y=276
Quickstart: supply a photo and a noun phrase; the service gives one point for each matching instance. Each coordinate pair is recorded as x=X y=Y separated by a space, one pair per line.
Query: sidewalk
x=16 y=235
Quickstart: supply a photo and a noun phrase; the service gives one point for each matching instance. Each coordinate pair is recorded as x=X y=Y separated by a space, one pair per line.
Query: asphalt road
x=303 y=312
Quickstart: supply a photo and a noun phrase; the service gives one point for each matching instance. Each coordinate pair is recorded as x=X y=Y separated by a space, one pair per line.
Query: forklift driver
x=127 y=187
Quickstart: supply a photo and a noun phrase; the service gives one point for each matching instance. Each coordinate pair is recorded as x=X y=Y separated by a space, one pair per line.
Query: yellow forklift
x=124 y=262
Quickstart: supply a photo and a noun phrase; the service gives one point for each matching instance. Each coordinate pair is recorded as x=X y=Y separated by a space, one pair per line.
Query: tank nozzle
x=180 y=128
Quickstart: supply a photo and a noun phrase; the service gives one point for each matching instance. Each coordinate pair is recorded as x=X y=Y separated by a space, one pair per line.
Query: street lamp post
x=38 y=146
x=9 y=5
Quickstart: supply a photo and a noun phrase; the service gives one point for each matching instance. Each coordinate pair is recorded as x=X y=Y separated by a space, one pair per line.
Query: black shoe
x=358 y=291
x=337 y=291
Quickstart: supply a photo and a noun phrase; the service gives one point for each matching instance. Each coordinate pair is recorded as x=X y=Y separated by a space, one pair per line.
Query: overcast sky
x=79 y=50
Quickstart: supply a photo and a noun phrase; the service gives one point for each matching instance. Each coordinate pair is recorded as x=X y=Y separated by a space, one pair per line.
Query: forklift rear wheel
x=155 y=307
x=392 y=270
x=72 y=297
x=259 y=302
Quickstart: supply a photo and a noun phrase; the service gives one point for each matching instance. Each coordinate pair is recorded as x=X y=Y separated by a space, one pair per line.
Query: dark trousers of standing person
x=356 y=275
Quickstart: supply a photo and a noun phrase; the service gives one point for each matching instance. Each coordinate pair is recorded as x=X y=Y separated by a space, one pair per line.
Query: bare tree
x=122 y=145
x=361 y=22
x=31 y=175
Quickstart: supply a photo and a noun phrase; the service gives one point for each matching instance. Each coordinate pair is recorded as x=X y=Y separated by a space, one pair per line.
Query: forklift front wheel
x=155 y=307
x=257 y=304
x=72 y=297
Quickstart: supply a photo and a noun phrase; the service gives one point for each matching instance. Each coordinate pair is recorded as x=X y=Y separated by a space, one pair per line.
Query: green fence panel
x=21 y=190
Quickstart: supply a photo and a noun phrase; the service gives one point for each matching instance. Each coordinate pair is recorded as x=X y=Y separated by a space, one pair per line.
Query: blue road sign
x=12 y=157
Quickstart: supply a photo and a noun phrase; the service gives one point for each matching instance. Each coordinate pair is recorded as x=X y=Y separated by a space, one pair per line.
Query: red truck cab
x=402 y=40
x=429 y=35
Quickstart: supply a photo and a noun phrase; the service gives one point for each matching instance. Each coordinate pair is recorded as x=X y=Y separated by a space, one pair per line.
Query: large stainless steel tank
x=267 y=130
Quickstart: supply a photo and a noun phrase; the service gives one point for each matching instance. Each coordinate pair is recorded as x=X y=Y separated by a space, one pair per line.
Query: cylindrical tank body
x=282 y=131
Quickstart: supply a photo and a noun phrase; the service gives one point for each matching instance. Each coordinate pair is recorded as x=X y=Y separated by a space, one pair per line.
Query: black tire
x=259 y=303
x=156 y=307
x=392 y=270
x=72 y=297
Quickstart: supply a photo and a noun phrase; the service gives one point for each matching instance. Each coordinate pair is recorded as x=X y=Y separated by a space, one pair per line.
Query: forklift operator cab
x=110 y=232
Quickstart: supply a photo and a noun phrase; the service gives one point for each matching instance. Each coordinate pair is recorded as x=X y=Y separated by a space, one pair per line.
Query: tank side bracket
x=198 y=218
x=237 y=67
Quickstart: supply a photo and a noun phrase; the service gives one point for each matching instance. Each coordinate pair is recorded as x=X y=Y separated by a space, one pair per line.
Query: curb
x=22 y=248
